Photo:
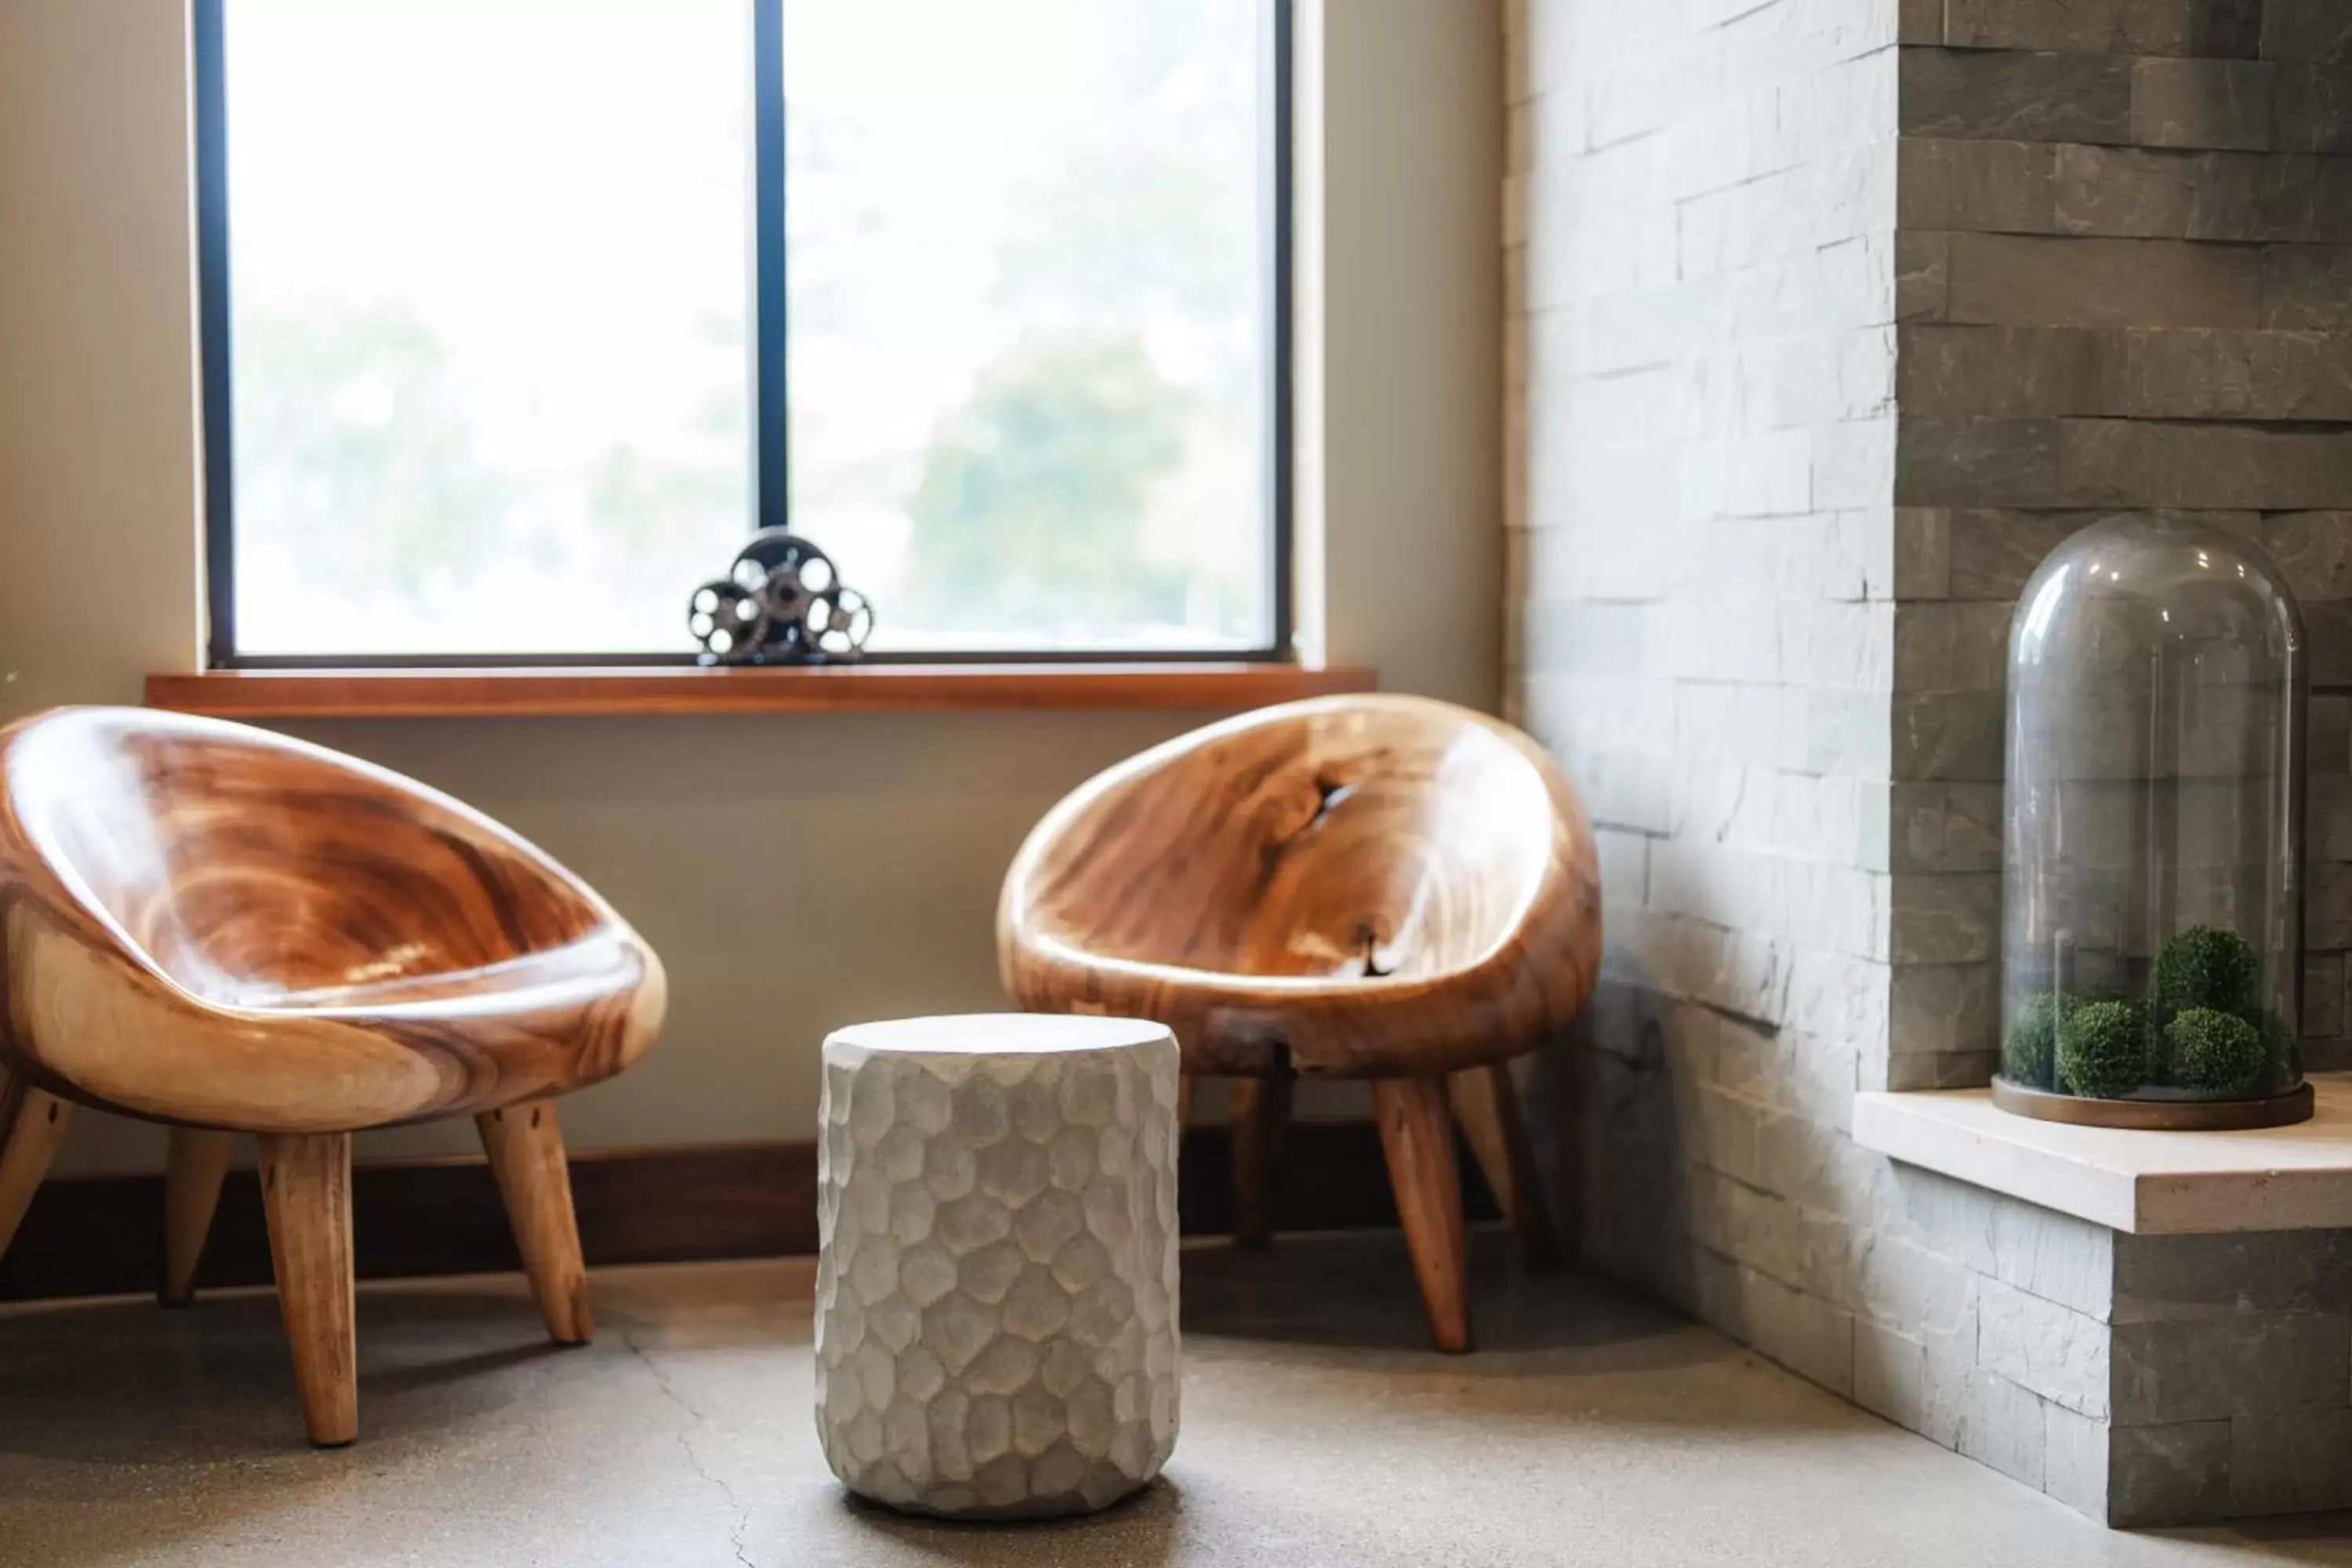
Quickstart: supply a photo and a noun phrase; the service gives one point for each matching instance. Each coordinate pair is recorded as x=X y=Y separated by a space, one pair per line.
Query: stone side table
x=996 y=1282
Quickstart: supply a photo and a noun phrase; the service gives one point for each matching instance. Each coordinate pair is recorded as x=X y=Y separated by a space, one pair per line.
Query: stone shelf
x=2278 y=1178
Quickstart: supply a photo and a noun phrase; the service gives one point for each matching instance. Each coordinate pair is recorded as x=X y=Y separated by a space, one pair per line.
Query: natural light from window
x=492 y=305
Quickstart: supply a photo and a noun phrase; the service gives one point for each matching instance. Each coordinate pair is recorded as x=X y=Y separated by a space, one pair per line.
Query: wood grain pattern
x=1260 y=1116
x=1417 y=1135
x=214 y=925
x=306 y=1190
x=192 y=1174
x=1350 y=887
x=1486 y=1104
x=526 y=1151
x=667 y=688
x=32 y=1124
x=1379 y=887
x=227 y=931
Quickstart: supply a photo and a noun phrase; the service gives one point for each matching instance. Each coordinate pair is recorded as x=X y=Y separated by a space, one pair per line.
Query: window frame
x=767 y=383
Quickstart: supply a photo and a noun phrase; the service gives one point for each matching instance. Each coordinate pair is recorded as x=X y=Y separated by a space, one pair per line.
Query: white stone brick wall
x=1827 y=320
x=1702 y=353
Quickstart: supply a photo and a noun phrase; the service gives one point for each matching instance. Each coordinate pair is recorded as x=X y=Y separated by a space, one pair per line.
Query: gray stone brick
x=2058 y=1354
x=2135 y=463
x=2329 y=623
x=2054 y=1255
x=2224 y=104
x=1976 y=462
x=1953 y=647
x=2314 y=550
x=2074 y=1460
x=1994 y=551
x=2016 y=96
x=2313 y=108
x=2307 y=30
x=1953 y=735
x=2098 y=26
x=2323 y=995
x=1945 y=1009
x=2331 y=733
x=1808 y=1336
x=2198 y=1278
x=2327 y=907
x=1946 y=919
x=2204 y=374
x=2029 y=280
x=2001 y=1425
x=1949 y=1070
x=1916 y=1290
x=2291 y=1464
x=2149 y=193
x=2168 y=1475
x=1922 y=553
x=1948 y=827
x=2306 y=288
x=2009 y=372
x=1977 y=184
x=1890 y=1375
x=1948 y=371
x=2248 y=1364
x=1922 y=275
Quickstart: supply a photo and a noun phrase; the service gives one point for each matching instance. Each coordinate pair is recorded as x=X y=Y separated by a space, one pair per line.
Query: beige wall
x=796 y=873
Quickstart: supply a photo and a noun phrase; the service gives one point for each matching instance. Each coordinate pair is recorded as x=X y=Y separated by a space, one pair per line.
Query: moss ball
x=2103 y=1051
x=2203 y=967
x=2028 y=1049
x=2214 y=1052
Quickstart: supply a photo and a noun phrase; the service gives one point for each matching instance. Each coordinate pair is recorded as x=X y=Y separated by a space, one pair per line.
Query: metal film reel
x=782 y=599
x=729 y=623
x=839 y=624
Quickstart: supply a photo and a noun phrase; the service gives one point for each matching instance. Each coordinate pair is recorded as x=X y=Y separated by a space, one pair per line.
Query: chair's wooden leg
x=306 y=1189
x=1261 y=1114
x=525 y=1150
x=1183 y=1102
x=1417 y=1134
x=32 y=1124
x=191 y=1185
x=1486 y=1103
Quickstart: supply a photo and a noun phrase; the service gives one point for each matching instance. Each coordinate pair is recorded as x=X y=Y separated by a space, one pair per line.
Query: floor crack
x=695 y=1417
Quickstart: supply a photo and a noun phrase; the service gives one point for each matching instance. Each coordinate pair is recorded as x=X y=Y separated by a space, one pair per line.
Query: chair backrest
x=1360 y=836
x=246 y=865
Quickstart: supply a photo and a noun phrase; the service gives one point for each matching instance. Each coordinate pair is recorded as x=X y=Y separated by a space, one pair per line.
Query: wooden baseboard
x=99 y=1235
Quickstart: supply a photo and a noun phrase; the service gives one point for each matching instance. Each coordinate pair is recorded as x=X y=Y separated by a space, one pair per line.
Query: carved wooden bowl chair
x=1384 y=887
x=220 y=928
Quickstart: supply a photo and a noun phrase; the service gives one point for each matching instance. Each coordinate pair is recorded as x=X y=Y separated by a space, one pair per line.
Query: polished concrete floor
x=1596 y=1428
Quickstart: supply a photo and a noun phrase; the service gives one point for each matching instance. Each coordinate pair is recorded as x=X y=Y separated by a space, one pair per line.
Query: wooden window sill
x=672 y=688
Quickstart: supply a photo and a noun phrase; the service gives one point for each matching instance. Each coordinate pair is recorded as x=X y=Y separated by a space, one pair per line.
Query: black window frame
x=770 y=422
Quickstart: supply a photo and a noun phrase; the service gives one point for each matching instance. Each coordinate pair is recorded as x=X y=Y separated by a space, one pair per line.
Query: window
x=519 y=315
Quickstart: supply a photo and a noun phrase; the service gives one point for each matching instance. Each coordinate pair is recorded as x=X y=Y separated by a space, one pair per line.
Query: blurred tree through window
x=492 y=319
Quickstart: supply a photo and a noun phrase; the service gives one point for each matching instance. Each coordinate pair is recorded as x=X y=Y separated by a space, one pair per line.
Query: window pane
x=490 y=333
x=1028 y=361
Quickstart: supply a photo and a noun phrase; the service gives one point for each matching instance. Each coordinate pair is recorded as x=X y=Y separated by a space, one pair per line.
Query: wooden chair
x=1383 y=887
x=230 y=931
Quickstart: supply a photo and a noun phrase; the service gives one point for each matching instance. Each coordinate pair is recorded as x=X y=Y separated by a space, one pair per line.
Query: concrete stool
x=996 y=1279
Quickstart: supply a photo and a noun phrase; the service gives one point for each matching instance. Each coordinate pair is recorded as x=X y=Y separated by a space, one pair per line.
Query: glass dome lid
x=2152 y=863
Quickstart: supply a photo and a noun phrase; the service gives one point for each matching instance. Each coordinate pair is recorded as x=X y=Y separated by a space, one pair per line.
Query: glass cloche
x=2152 y=940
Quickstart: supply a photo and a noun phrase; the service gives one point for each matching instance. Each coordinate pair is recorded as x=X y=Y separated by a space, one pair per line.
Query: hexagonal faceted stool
x=996 y=1279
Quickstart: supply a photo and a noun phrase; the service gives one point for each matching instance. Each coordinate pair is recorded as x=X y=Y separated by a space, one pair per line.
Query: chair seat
x=214 y=925
x=1356 y=887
